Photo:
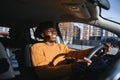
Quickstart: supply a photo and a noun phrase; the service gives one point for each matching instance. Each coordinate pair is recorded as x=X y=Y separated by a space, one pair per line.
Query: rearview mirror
x=104 y=4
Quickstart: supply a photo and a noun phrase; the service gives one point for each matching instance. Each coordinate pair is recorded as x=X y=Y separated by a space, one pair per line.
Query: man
x=49 y=57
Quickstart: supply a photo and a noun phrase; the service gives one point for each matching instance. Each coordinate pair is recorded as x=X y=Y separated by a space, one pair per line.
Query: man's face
x=50 y=34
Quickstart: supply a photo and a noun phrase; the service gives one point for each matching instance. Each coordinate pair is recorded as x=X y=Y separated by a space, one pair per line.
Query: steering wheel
x=94 y=51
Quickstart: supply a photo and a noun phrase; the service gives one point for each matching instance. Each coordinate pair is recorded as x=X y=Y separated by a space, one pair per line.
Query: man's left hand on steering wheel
x=106 y=49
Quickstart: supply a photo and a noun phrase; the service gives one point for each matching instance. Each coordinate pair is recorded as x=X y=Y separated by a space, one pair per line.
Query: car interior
x=19 y=19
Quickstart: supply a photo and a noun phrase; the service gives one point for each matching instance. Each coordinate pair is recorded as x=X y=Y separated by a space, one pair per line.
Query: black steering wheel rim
x=95 y=50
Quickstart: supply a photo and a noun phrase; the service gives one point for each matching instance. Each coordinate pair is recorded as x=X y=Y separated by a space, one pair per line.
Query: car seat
x=29 y=70
x=6 y=69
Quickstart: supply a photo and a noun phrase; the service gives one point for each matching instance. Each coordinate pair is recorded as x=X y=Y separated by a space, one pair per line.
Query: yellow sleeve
x=76 y=54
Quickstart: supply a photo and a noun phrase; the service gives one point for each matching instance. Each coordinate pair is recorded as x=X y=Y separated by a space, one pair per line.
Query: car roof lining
x=18 y=13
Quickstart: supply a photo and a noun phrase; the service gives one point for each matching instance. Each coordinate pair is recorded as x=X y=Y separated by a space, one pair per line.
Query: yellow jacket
x=42 y=56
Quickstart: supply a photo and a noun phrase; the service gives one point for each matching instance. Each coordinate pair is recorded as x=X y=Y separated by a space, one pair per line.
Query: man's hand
x=85 y=59
x=107 y=49
x=81 y=65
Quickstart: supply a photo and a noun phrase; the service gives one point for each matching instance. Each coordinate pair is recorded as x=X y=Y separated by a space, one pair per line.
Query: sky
x=114 y=11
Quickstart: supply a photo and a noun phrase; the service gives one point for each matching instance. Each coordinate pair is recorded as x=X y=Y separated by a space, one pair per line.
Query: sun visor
x=77 y=8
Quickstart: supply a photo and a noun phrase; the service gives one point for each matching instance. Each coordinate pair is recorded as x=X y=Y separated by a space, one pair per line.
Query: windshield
x=83 y=36
x=113 y=12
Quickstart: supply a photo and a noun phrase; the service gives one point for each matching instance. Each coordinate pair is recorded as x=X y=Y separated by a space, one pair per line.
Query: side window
x=82 y=36
x=32 y=30
x=4 y=31
x=113 y=12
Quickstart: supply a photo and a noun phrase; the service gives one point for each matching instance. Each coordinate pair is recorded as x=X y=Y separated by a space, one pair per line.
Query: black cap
x=43 y=26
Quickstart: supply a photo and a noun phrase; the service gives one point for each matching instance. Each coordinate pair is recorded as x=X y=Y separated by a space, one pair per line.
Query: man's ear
x=42 y=34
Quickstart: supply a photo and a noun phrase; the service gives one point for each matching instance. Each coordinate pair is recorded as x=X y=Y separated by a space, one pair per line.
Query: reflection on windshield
x=113 y=12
